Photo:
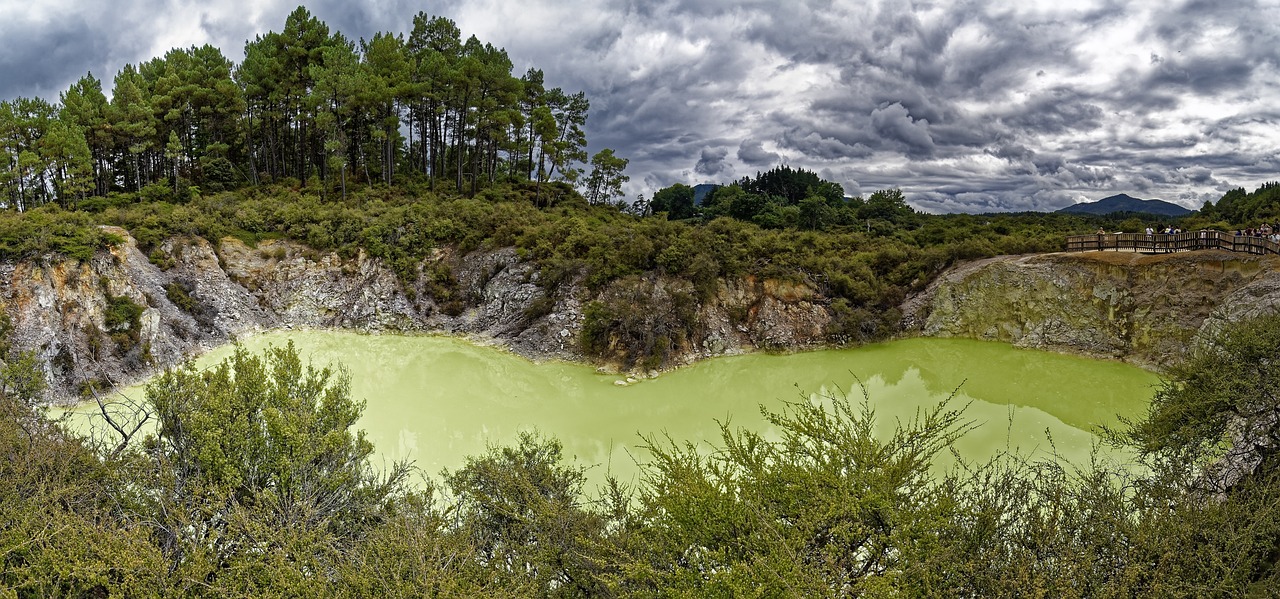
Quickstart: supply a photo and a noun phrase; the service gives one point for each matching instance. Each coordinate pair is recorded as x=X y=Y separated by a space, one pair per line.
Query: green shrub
x=122 y=320
x=180 y=296
x=6 y=329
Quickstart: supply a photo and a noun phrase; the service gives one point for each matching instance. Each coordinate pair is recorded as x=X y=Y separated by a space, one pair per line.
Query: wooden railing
x=1181 y=242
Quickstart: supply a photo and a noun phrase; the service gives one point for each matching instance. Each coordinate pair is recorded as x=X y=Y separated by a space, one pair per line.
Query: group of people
x=1265 y=231
x=1161 y=229
x=1271 y=232
x=1201 y=239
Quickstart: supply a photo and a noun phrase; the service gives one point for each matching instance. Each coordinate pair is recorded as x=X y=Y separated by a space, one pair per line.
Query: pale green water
x=436 y=400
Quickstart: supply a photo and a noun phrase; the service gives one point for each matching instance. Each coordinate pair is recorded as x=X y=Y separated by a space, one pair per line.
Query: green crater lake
x=436 y=400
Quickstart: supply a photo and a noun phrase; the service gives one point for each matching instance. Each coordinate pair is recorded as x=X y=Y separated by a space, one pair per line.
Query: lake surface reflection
x=436 y=400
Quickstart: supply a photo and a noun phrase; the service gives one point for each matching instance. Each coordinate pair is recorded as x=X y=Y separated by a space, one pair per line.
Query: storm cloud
x=965 y=106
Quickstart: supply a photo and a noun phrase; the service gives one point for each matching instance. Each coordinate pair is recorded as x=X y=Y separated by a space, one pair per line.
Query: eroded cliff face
x=193 y=296
x=1145 y=309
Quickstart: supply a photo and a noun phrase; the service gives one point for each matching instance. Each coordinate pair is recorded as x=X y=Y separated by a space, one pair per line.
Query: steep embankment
x=1140 y=308
x=116 y=318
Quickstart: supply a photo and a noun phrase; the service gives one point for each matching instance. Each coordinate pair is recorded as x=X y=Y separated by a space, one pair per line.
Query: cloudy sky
x=967 y=106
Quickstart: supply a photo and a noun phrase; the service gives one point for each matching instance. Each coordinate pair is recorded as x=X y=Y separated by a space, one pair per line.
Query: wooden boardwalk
x=1181 y=242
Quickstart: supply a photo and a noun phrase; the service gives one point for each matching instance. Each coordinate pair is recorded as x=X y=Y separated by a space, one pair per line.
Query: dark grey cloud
x=39 y=58
x=967 y=106
x=895 y=123
x=1057 y=110
x=713 y=163
x=1202 y=74
x=752 y=153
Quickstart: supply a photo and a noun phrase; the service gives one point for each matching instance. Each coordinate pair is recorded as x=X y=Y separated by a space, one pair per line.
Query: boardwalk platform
x=1181 y=242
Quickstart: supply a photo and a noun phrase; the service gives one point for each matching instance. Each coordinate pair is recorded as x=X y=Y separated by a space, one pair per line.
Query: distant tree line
x=306 y=104
x=1239 y=207
x=784 y=197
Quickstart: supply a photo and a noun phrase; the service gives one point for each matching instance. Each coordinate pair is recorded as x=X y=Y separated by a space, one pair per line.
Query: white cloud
x=999 y=105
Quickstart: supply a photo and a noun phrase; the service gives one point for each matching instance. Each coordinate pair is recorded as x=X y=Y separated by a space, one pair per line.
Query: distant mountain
x=701 y=191
x=1127 y=203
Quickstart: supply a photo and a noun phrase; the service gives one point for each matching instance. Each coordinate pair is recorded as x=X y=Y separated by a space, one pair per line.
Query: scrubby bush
x=122 y=320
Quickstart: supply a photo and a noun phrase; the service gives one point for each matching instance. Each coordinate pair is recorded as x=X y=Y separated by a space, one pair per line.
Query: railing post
x=1162 y=243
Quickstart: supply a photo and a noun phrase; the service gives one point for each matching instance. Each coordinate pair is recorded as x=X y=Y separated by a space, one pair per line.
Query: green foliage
x=887 y=205
x=306 y=104
x=676 y=201
x=1242 y=209
x=258 y=426
x=60 y=535
x=792 y=185
x=1226 y=395
x=523 y=511
x=256 y=461
x=50 y=230
x=597 y=321
x=606 y=178
x=830 y=508
x=639 y=322
x=858 y=325
x=122 y=320
x=6 y=329
x=182 y=293
x=21 y=379
x=255 y=485
x=180 y=296
x=413 y=553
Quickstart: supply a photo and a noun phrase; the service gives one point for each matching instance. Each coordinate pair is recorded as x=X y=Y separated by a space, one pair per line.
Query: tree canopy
x=784 y=197
x=308 y=105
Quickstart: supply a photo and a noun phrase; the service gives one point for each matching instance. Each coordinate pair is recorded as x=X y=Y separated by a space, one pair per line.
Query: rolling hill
x=1126 y=203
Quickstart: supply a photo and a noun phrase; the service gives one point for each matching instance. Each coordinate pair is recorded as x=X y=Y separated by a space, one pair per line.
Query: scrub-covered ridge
x=414 y=182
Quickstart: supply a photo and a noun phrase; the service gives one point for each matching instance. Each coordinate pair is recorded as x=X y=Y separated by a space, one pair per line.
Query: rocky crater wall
x=1145 y=309
x=193 y=295
x=190 y=295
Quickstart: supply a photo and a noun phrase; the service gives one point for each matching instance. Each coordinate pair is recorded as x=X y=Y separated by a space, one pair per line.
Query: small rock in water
x=620 y=383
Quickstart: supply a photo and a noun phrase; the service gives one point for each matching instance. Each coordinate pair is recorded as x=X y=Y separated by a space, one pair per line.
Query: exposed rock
x=196 y=296
x=748 y=314
x=1144 y=309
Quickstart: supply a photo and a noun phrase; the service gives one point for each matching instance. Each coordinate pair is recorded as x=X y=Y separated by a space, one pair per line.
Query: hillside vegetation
x=255 y=483
x=398 y=146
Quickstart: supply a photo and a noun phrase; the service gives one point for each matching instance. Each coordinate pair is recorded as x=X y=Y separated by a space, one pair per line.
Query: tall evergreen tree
x=338 y=80
x=606 y=178
x=85 y=106
x=386 y=76
x=435 y=46
x=429 y=104
x=134 y=126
